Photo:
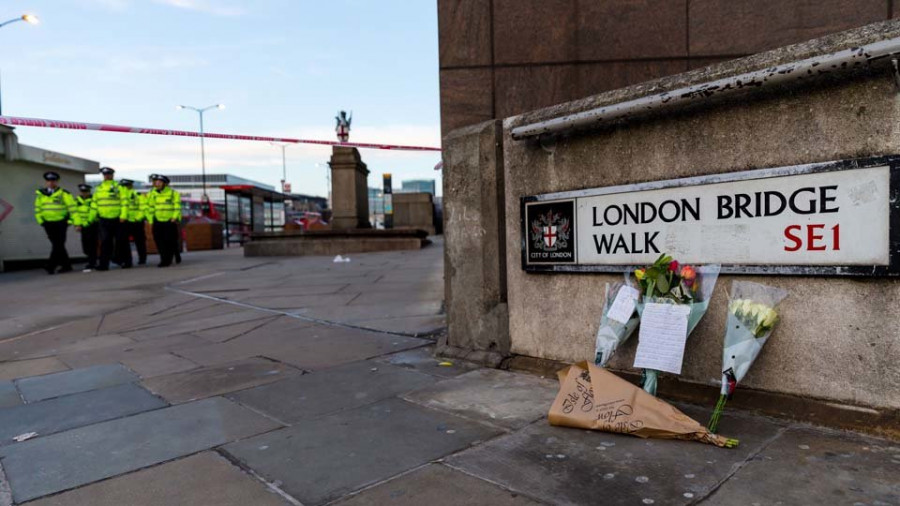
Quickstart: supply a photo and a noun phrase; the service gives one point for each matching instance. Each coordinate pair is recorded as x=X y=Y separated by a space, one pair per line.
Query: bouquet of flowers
x=668 y=282
x=752 y=316
x=618 y=321
x=595 y=399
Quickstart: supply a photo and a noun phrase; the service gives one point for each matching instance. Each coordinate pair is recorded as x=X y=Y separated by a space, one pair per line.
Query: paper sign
x=662 y=337
x=623 y=306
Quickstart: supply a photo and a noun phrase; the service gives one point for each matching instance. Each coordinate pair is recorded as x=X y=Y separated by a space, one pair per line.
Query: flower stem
x=713 y=424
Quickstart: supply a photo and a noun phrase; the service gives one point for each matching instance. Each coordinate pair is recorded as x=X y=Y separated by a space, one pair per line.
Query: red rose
x=673 y=266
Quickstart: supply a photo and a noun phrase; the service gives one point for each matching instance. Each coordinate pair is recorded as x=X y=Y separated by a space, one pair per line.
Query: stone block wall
x=499 y=58
x=839 y=339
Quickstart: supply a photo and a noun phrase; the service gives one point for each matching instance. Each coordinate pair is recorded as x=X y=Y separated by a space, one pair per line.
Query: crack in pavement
x=320 y=321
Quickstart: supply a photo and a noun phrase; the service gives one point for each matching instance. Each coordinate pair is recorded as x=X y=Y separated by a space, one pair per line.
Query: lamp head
x=30 y=19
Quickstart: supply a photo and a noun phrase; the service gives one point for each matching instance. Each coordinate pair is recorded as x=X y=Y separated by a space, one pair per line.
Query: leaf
x=662 y=283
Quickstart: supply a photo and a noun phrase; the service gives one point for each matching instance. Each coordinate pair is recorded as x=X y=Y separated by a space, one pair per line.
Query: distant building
x=139 y=185
x=191 y=185
x=22 y=242
x=418 y=186
x=376 y=207
x=305 y=203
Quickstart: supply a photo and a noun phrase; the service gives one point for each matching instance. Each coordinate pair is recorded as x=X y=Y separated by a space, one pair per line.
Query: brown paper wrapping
x=593 y=398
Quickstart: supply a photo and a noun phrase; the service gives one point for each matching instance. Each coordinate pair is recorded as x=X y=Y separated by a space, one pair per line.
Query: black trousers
x=123 y=244
x=140 y=240
x=165 y=233
x=59 y=257
x=89 y=236
x=109 y=228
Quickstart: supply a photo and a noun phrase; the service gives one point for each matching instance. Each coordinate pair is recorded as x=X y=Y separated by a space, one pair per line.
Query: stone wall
x=475 y=245
x=840 y=337
x=504 y=57
x=414 y=211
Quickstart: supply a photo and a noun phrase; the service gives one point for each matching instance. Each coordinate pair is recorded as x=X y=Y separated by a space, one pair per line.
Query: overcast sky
x=281 y=67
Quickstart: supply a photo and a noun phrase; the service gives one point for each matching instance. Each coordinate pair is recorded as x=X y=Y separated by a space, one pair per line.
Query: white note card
x=623 y=306
x=662 y=337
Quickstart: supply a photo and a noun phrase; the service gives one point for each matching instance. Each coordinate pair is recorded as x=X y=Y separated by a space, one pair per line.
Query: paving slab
x=222 y=334
x=202 y=383
x=369 y=312
x=205 y=478
x=128 y=350
x=344 y=387
x=77 y=410
x=411 y=294
x=423 y=360
x=816 y=466
x=322 y=459
x=412 y=325
x=148 y=312
x=33 y=367
x=436 y=485
x=70 y=382
x=280 y=302
x=9 y=396
x=306 y=347
x=233 y=316
x=80 y=456
x=328 y=347
x=285 y=291
x=508 y=399
x=562 y=465
x=158 y=365
x=38 y=347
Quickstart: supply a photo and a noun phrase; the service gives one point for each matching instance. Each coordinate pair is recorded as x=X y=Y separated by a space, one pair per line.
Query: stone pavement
x=233 y=381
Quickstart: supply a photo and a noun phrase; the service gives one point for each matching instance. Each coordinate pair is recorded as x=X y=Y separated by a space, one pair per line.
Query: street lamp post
x=28 y=18
x=283 y=164
x=202 y=146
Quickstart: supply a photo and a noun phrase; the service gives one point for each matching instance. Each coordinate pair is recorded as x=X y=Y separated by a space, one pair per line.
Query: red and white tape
x=75 y=125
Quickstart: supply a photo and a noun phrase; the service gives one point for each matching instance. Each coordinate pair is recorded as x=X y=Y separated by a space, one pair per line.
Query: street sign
x=832 y=219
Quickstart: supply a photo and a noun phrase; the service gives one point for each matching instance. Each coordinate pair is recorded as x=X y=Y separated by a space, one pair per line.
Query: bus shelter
x=250 y=209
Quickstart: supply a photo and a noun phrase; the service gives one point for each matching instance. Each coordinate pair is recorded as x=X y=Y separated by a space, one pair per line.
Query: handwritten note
x=662 y=337
x=623 y=306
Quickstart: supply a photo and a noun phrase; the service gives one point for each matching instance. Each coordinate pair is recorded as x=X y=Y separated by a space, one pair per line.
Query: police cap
x=126 y=182
x=84 y=187
x=51 y=176
x=160 y=177
x=107 y=170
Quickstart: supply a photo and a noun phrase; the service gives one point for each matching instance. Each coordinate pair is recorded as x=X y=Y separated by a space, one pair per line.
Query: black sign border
x=890 y=270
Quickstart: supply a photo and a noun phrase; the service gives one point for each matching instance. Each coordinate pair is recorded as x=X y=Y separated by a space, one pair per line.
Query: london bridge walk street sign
x=835 y=218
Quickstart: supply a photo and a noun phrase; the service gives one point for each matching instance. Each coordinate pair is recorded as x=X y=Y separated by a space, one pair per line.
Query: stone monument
x=350 y=230
x=349 y=190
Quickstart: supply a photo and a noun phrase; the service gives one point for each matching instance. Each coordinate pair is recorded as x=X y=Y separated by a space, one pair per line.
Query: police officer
x=136 y=204
x=164 y=213
x=86 y=223
x=53 y=210
x=112 y=211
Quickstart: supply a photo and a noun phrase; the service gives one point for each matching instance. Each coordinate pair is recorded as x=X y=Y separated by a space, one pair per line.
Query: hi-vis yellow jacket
x=163 y=205
x=85 y=215
x=135 y=203
x=53 y=205
x=109 y=201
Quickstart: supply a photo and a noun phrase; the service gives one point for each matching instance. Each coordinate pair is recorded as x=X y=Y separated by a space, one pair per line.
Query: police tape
x=74 y=125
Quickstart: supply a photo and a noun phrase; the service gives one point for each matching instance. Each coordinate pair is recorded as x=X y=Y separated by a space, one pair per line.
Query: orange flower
x=688 y=275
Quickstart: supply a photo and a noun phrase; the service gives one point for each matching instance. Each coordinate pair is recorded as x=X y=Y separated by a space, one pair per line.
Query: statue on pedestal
x=343 y=125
